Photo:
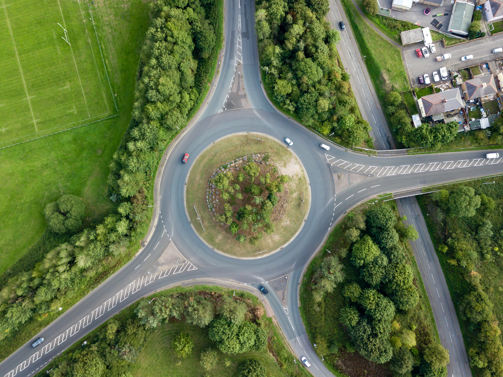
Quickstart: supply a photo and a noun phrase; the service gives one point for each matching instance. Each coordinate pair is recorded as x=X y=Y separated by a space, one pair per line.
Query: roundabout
x=244 y=213
x=175 y=227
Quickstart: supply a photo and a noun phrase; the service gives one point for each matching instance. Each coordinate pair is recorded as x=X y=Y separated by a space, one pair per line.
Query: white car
x=432 y=48
x=492 y=155
x=426 y=54
x=443 y=73
x=496 y=50
x=426 y=79
x=467 y=57
x=436 y=76
x=325 y=147
x=304 y=360
x=288 y=141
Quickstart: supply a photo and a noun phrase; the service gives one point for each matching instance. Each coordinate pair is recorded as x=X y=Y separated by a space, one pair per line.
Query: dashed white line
x=137 y=267
x=146 y=258
x=437 y=292
x=156 y=245
x=433 y=279
x=350 y=196
x=361 y=190
x=442 y=307
x=375 y=186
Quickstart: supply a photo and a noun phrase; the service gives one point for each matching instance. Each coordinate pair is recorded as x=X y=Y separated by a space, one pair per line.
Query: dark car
x=185 y=158
x=342 y=26
x=421 y=80
x=419 y=53
x=263 y=289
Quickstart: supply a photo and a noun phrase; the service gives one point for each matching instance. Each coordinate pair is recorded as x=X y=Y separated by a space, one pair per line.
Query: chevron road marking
x=122 y=295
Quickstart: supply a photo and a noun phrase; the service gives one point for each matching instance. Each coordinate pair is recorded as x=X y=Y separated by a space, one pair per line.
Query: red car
x=185 y=158
x=419 y=53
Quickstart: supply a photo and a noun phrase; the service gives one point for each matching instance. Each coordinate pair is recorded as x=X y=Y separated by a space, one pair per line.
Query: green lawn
x=498 y=27
x=75 y=162
x=425 y=91
x=491 y=106
x=410 y=102
x=475 y=114
x=475 y=70
x=465 y=74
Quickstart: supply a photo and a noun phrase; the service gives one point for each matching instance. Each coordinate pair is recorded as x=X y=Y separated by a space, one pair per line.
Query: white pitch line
x=19 y=64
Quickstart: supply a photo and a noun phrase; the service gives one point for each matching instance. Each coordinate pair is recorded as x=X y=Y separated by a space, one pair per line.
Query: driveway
x=480 y=49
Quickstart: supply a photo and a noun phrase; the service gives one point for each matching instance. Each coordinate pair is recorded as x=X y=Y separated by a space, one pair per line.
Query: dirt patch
x=293 y=203
x=355 y=365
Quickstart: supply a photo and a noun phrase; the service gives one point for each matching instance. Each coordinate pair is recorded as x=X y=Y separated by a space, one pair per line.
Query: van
x=496 y=50
x=443 y=73
x=492 y=155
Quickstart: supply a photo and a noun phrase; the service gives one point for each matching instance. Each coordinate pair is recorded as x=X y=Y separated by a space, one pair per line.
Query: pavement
x=153 y=270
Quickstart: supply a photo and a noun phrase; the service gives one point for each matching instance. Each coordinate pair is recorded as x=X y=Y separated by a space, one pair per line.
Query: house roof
x=402 y=3
x=461 y=17
x=494 y=9
x=480 y=86
x=482 y=123
x=442 y=102
x=411 y=36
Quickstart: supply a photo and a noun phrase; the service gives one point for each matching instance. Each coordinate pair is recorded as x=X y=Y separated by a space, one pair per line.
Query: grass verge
x=230 y=149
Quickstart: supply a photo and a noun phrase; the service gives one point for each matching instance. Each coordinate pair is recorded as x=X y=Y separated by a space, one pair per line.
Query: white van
x=492 y=155
x=443 y=73
x=496 y=50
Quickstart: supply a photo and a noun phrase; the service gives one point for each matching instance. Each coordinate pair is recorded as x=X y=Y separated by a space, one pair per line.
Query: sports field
x=52 y=74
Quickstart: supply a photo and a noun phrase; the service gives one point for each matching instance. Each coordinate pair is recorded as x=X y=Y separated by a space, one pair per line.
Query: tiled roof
x=480 y=86
x=442 y=102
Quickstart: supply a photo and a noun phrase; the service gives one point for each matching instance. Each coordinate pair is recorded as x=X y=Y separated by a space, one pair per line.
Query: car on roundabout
x=263 y=289
x=288 y=141
x=325 y=147
x=185 y=158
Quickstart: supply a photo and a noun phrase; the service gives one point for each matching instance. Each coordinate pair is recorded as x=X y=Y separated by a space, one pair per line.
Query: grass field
x=74 y=162
x=227 y=150
x=51 y=80
x=410 y=102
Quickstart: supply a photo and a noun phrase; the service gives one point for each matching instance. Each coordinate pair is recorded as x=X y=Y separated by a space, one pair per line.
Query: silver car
x=436 y=76
x=304 y=360
x=467 y=57
x=288 y=141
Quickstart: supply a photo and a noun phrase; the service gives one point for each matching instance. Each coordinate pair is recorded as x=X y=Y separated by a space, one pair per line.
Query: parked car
x=288 y=141
x=263 y=289
x=304 y=360
x=436 y=76
x=443 y=73
x=185 y=158
x=492 y=155
x=496 y=50
x=37 y=342
x=433 y=49
x=467 y=57
x=421 y=80
x=426 y=54
x=427 y=79
x=419 y=53
x=342 y=26
x=325 y=147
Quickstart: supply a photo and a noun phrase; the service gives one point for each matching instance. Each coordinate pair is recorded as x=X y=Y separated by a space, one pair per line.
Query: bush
x=183 y=344
x=65 y=215
x=251 y=368
x=209 y=358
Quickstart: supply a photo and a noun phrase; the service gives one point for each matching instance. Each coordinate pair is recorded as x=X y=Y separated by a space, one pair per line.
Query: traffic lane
x=419 y=66
x=437 y=290
x=360 y=83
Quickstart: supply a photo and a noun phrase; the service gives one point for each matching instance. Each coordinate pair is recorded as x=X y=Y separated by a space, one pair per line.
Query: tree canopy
x=65 y=215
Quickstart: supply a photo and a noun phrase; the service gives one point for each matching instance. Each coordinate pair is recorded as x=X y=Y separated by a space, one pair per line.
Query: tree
x=436 y=355
x=410 y=233
x=463 y=202
x=402 y=361
x=364 y=251
x=89 y=363
x=182 y=344
x=252 y=169
x=251 y=368
x=408 y=338
x=371 y=7
x=233 y=339
x=474 y=29
x=356 y=220
x=234 y=227
x=199 y=311
x=233 y=310
x=349 y=316
x=209 y=358
x=205 y=39
x=327 y=276
x=476 y=306
x=380 y=218
x=373 y=273
x=65 y=215
x=352 y=291
x=352 y=235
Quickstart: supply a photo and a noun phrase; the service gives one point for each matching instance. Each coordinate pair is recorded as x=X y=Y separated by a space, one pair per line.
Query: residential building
x=493 y=10
x=461 y=17
x=401 y=4
x=439 y=103
x=479 y=87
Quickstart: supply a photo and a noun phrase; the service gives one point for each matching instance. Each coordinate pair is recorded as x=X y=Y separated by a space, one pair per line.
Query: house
x=439 y=103
x=409 y=37
x=401 y=4
x=493 y=10
x=461 y=17
x=479 y=87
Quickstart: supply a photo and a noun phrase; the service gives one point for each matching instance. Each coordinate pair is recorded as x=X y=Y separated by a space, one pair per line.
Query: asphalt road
x=139 y=277
x=480 y=49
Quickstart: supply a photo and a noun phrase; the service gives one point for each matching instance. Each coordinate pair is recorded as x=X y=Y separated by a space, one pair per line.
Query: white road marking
x=361 y=190
x=437 y=292
x=375 y=186
x=442 y=307
x=156 y=245
x=350 y=196
x=146 y=258
x=137 y=267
